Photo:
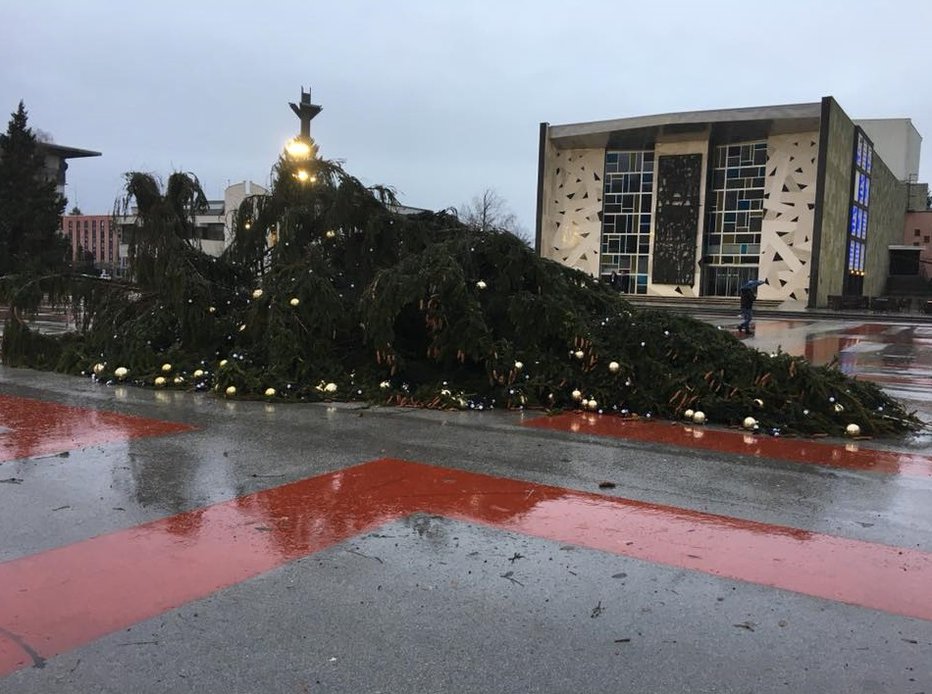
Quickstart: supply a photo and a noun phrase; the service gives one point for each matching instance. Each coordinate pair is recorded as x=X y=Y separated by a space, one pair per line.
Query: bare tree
x=489 y=211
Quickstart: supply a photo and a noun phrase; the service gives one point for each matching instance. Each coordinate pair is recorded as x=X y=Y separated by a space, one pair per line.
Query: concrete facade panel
x=885 y=226
x=789 y=205
x=571 y=225
x=836 y=204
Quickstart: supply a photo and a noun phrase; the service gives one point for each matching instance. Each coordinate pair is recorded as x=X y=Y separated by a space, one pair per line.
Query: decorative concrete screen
x=573 y=225
x=677 y=218
x=789 y=202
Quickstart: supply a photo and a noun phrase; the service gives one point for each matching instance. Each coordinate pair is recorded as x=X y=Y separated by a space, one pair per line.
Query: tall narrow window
x=858 y=221
x=731 y=247
x=626 y=216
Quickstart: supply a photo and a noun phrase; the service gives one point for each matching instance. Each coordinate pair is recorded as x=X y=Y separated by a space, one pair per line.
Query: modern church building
x=695 y=204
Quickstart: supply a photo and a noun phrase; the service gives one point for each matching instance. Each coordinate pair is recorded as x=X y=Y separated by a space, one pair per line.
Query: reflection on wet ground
x=77 y=593
x=896 y=356
x=849 y=456
x=36 y=427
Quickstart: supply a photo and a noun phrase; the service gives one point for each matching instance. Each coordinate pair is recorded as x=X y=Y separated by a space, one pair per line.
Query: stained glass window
x=627 y=204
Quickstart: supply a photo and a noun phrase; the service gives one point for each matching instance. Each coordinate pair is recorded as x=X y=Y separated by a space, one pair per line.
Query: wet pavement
x=895 y=355
x=161 y=541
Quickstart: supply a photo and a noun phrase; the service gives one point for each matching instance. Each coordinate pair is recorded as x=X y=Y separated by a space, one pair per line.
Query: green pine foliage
x=34 y=257
x=326 y=293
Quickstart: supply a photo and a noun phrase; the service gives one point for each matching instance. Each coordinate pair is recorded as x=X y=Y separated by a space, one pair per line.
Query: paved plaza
x=159 y=541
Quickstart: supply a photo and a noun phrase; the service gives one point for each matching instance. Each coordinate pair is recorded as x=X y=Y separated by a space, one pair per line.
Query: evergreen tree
x=30 y=209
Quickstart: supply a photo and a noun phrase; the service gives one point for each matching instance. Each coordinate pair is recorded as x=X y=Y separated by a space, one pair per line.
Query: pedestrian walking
x=748 y=294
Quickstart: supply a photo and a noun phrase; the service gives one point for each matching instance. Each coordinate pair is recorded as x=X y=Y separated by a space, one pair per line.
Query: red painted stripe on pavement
x=851 y=456
x=38 y=427
x=67 y=597
x=63 y=598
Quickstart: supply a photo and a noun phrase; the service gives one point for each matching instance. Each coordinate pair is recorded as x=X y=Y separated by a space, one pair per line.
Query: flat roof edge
x=786 y=111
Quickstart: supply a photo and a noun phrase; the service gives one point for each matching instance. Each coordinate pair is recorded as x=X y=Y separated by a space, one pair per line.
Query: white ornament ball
x=211 y=309
x=99 y=368
x=257 y=293
x=481 y=284
x=839 y=407
x=166 y=368
x=614 y=366
x=121 y=372
x=749 y=423
x=294 y=301
x=230 y=391
x=577 y=395
x=160 y=381
x=198 y=373
x=242 y=327
x=519 y=365
x=853 y=430
x=579 y=354
x=758 y=402
x=593 y=404
x=688 y=414
x=270 y=392
x=330 y=233
x=330 y=388
x=699 y=417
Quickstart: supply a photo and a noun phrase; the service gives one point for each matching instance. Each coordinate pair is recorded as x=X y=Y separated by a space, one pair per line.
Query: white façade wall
x=789 y=205
x=662 y=148
x=571 y=227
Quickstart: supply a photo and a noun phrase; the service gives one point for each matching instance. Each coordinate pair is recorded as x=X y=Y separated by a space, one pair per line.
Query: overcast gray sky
x=437 y=99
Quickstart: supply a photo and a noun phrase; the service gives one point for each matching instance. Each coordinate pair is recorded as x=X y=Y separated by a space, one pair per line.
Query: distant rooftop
x=67 y=152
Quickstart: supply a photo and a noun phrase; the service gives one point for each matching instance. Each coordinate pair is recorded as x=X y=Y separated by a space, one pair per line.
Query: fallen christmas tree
x=327 y=293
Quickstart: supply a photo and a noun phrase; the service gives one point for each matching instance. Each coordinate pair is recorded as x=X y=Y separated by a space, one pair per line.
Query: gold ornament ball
x=614 y=366
x=294 y=301
x=519 y=365
x=99 y=368
x=331 y=233
x=223 y=362
x=257 y=294
x=177 y=380
x=330 y=388
x=121 y=372
x=688 y=414
x=593 y=404
x=230 y=391
x=839 y=407
x=577 y=395
x=211 y=309
x=270 y=392
x=749 y=423
x=579 y=354
x=385 y=385
x=198 y=373
x=166 y=368
x=699 y=417
x=758 y=402
x=160 y=381
x=853 y=430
